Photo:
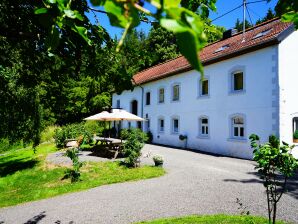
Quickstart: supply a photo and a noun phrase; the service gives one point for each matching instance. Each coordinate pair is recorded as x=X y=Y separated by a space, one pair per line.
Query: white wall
x=257 y=103
x=288 y=86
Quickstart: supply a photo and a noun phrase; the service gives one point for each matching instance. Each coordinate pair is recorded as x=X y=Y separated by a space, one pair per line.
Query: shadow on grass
x=292 y=183
x=11 y=166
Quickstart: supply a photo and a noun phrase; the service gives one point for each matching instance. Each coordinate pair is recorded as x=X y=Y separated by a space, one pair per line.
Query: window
x=238 y=127
x=176 y=92
x=263 y=33
x=175 y=126
x=237 y=81
x=222 y=48
x=161 y=125
x=295 y=128
x=148 y=98
x=204 y=126
x=161 y=95
x=118 y=104
x=204 y=87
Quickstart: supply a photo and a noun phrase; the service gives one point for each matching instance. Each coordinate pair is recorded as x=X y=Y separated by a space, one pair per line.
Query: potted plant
x=295 y=136
x=158 y=160
x=182 y=137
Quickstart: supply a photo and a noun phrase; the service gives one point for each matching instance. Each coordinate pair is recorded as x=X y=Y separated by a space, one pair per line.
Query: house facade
x=250 y=86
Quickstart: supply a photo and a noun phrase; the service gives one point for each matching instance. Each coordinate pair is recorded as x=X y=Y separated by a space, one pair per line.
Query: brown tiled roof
x=209 y=55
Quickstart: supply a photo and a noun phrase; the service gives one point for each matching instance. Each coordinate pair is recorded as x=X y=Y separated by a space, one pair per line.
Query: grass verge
x=25 y=176
x=213 y=219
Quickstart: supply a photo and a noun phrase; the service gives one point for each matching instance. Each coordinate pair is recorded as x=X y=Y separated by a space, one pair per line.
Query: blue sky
x=256 y=10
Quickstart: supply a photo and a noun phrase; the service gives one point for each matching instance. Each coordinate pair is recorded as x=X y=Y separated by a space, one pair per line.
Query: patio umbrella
x=120 y=115
x=102 y=116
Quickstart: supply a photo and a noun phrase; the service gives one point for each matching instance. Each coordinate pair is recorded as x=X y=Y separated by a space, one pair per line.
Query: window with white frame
x=204 y=87
x=148 y=96
x=175 y=125
x=204 y=126
x=237 y=81
x=238 y=127
x=176 y=92
x=161 y=95
x=161 y=125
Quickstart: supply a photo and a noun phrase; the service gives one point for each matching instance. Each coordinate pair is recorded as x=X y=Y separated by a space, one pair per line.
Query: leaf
x=97 y=2
x=69 y=13
x=120 y=16
x=41 y=11
x=52 y=40
x=83 y=32
x=291 y=17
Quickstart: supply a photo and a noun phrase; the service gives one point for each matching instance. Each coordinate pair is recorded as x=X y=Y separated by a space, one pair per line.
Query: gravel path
x=194 y=184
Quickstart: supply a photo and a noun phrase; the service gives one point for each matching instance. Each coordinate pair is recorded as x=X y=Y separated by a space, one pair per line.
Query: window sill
x=175 y=101
x=160 y=103
x=244 y=140
x=147 y=105
x=203 y=96
x=174 y=133
x=203 y=137
x=237 y=92
x=161 y=132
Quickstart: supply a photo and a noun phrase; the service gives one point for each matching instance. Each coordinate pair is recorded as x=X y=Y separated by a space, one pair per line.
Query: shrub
x=295 y=135
x=73 y=173
x=93 y=127
x=150 y=137
x=135 y=140
x=158 y=160
x=47 y=135
x=5 y=145
x=72 y=131
x=275 y=164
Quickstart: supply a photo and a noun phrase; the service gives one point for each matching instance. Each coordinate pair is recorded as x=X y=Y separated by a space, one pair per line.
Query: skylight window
x=222 y=48
x=263 y=33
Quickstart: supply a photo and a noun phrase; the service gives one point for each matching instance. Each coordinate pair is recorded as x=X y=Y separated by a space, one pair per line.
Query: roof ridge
x=238 y=33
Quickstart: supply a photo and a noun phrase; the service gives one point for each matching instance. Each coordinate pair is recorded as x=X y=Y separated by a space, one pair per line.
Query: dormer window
x=263 y=33
x=222 y=48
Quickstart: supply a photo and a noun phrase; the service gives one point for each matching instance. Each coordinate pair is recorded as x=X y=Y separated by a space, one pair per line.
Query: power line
x=249 y=16
x=232 y=10
x=256 y=1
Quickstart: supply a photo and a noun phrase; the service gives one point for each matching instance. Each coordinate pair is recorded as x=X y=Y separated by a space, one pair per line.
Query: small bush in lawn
x=73 y=173
x=135 y=140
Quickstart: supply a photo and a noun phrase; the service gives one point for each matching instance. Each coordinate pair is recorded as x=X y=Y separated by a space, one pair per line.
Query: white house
x=250 y=87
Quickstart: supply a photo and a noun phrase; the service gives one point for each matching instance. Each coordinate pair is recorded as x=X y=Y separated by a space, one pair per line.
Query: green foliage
x=275 y=164
x=47 y=135
x=269 y=15
x=149 y=137
x=135 y=140
x=182 y=21
x=6 y=146
x=295 y=135
x=212 y=219
x=74 y=173
x=73 y=131
x=22 y=169
x=158 y=160
x=239 y=25
x=288 y=11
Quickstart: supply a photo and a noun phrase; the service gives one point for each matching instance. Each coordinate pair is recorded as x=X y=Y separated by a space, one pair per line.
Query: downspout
x=142 y=100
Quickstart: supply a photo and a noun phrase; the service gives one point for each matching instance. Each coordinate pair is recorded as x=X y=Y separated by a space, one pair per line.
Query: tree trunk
x=274 y=212
x=268 y=204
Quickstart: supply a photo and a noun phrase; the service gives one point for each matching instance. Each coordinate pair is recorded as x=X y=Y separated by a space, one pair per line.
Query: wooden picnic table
x=112 y=144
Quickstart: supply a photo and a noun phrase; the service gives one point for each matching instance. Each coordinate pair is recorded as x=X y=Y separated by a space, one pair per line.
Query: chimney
x=229 y=33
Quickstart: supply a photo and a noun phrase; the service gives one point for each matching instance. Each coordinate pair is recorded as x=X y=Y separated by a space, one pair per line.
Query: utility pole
x=244 y=11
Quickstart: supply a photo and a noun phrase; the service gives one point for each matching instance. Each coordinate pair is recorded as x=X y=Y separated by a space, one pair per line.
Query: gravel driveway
x=194 y=184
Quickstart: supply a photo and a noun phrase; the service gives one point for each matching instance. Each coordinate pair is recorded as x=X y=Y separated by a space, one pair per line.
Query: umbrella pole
x=109 y=129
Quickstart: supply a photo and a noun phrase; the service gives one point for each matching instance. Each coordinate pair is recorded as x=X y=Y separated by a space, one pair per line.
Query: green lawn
x=212 y=219
x=25 y=176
